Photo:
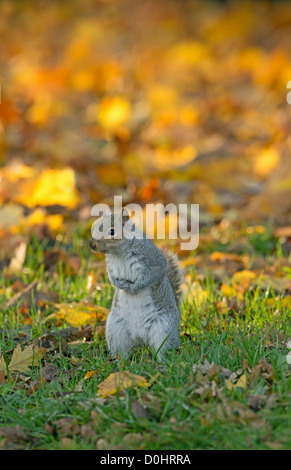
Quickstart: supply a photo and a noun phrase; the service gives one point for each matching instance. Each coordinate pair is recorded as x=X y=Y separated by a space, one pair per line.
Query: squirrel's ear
x=125 y=215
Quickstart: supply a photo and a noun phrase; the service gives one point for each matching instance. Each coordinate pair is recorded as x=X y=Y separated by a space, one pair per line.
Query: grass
x=186 y=407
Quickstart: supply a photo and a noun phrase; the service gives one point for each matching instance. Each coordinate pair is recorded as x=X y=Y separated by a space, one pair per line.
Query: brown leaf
x=52 y=257
x=283 y=232
x=256 y=402
x=50 y=372
x=138 y=410
x=133 y=439
x=3 y=379
x=53 y=343
x=66 y=443
x=15 y=434
x=74 y=264
x=264 y=369
x=49 y=428
x=67 y=426
x=88 y=432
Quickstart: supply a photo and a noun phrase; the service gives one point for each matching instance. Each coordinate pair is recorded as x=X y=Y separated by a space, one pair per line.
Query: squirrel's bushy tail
x=175 y=275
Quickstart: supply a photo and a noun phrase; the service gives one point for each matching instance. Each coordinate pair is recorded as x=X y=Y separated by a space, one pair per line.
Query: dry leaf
x=77 y=313
x=138 y=410
x=50 y=372
x=90 y=281
x=119 y=381
x=3 y=379
x=21 y=361
x=52 y=186
x=89 y=374
x=19 y=257
x=241 y=383
x=113 y=112
x=15 y=434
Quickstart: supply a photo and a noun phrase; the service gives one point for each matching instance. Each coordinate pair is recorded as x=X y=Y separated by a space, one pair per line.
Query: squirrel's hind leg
x=118 y=337
x=164 y=337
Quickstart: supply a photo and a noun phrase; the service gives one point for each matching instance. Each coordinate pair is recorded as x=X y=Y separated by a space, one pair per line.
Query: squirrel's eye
x=111 y=231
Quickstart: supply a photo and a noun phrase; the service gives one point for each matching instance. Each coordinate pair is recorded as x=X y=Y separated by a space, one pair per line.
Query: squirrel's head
x=109 y=233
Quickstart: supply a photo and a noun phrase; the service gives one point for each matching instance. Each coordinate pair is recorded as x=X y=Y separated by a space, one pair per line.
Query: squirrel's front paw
x=123 y=284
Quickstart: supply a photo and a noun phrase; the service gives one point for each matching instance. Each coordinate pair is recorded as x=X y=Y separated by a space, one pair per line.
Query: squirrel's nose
x=92 y=244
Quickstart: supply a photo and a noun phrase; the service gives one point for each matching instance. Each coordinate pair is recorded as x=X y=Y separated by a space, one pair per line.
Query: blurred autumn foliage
x=171 y=101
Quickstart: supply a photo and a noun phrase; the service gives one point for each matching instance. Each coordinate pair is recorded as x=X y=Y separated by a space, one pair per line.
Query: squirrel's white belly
x=138 y=310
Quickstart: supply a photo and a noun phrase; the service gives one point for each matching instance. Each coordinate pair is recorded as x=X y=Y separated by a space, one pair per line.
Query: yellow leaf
x=52 y=186
x=89 y=374
x=78 y=314
x=166 y=159
x=162 y=96
x=83 y=80
x=187 y=54
x=229 y=385
x=80 y=318
x=191 y=261
x=227 y=290
x=243 y=277
x=266 y=162
x=188 y=115
x=219 y=256
x=17 y=171
x=113 y=112
x=119 y=381
x=22 y=360
x=39 y=216
x=241 y=383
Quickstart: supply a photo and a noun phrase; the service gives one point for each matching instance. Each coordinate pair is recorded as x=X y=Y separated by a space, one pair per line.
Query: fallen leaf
x=3 y=379
x=256 y=402
x=14 y=434
x=241 y=383
x=19 y=257
x=67 y=443
x=133 y=439
x=113 y=112
x=90 y=281
x=89 y=374
x=21 y=361
x=50 y=372
x=79 y=313
x=266 y=162
x=119 y=381
x=67 y=426
x=138 y=410
x=52 y=186
x=243 y=278
x=53 y=343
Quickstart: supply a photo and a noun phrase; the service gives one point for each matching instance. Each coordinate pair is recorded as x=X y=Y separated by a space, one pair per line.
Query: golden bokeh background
x=172 y=101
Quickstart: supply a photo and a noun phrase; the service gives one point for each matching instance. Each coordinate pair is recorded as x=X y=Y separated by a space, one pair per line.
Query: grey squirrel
x=145 y=306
